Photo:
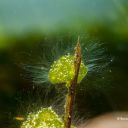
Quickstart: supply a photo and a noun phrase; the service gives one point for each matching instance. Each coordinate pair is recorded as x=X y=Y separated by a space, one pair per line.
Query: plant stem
x=71 y=90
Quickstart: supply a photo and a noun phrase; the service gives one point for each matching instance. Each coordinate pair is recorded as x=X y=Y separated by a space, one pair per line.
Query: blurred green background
x=27 y=23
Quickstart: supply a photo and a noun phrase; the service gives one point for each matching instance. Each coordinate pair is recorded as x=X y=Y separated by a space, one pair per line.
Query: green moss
x=44 y=118
x=62 y=70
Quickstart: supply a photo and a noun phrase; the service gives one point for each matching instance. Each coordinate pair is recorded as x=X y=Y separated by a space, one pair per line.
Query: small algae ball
x=44 y=118
x=62 y=71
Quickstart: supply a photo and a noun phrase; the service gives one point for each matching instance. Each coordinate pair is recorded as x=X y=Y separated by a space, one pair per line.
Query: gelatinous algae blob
x=62 y=71
x=44 y=118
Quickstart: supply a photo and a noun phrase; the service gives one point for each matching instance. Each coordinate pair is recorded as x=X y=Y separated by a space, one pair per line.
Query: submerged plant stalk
x=71 y=90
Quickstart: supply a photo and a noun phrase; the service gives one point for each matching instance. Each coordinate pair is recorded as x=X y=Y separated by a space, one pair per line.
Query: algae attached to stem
x=44 y=118
x=62 y=71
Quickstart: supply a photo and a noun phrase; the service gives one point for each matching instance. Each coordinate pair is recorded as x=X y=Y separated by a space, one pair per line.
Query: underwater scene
x=64 y=64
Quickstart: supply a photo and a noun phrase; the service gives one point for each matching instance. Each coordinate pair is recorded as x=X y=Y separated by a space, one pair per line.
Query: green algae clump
x=44 y=118
x=62 y=71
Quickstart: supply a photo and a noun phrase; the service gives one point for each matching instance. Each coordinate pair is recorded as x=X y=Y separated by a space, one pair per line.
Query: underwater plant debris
x=70 y=97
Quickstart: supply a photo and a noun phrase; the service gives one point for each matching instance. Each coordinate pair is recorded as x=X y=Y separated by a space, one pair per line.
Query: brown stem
x=71 y=90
